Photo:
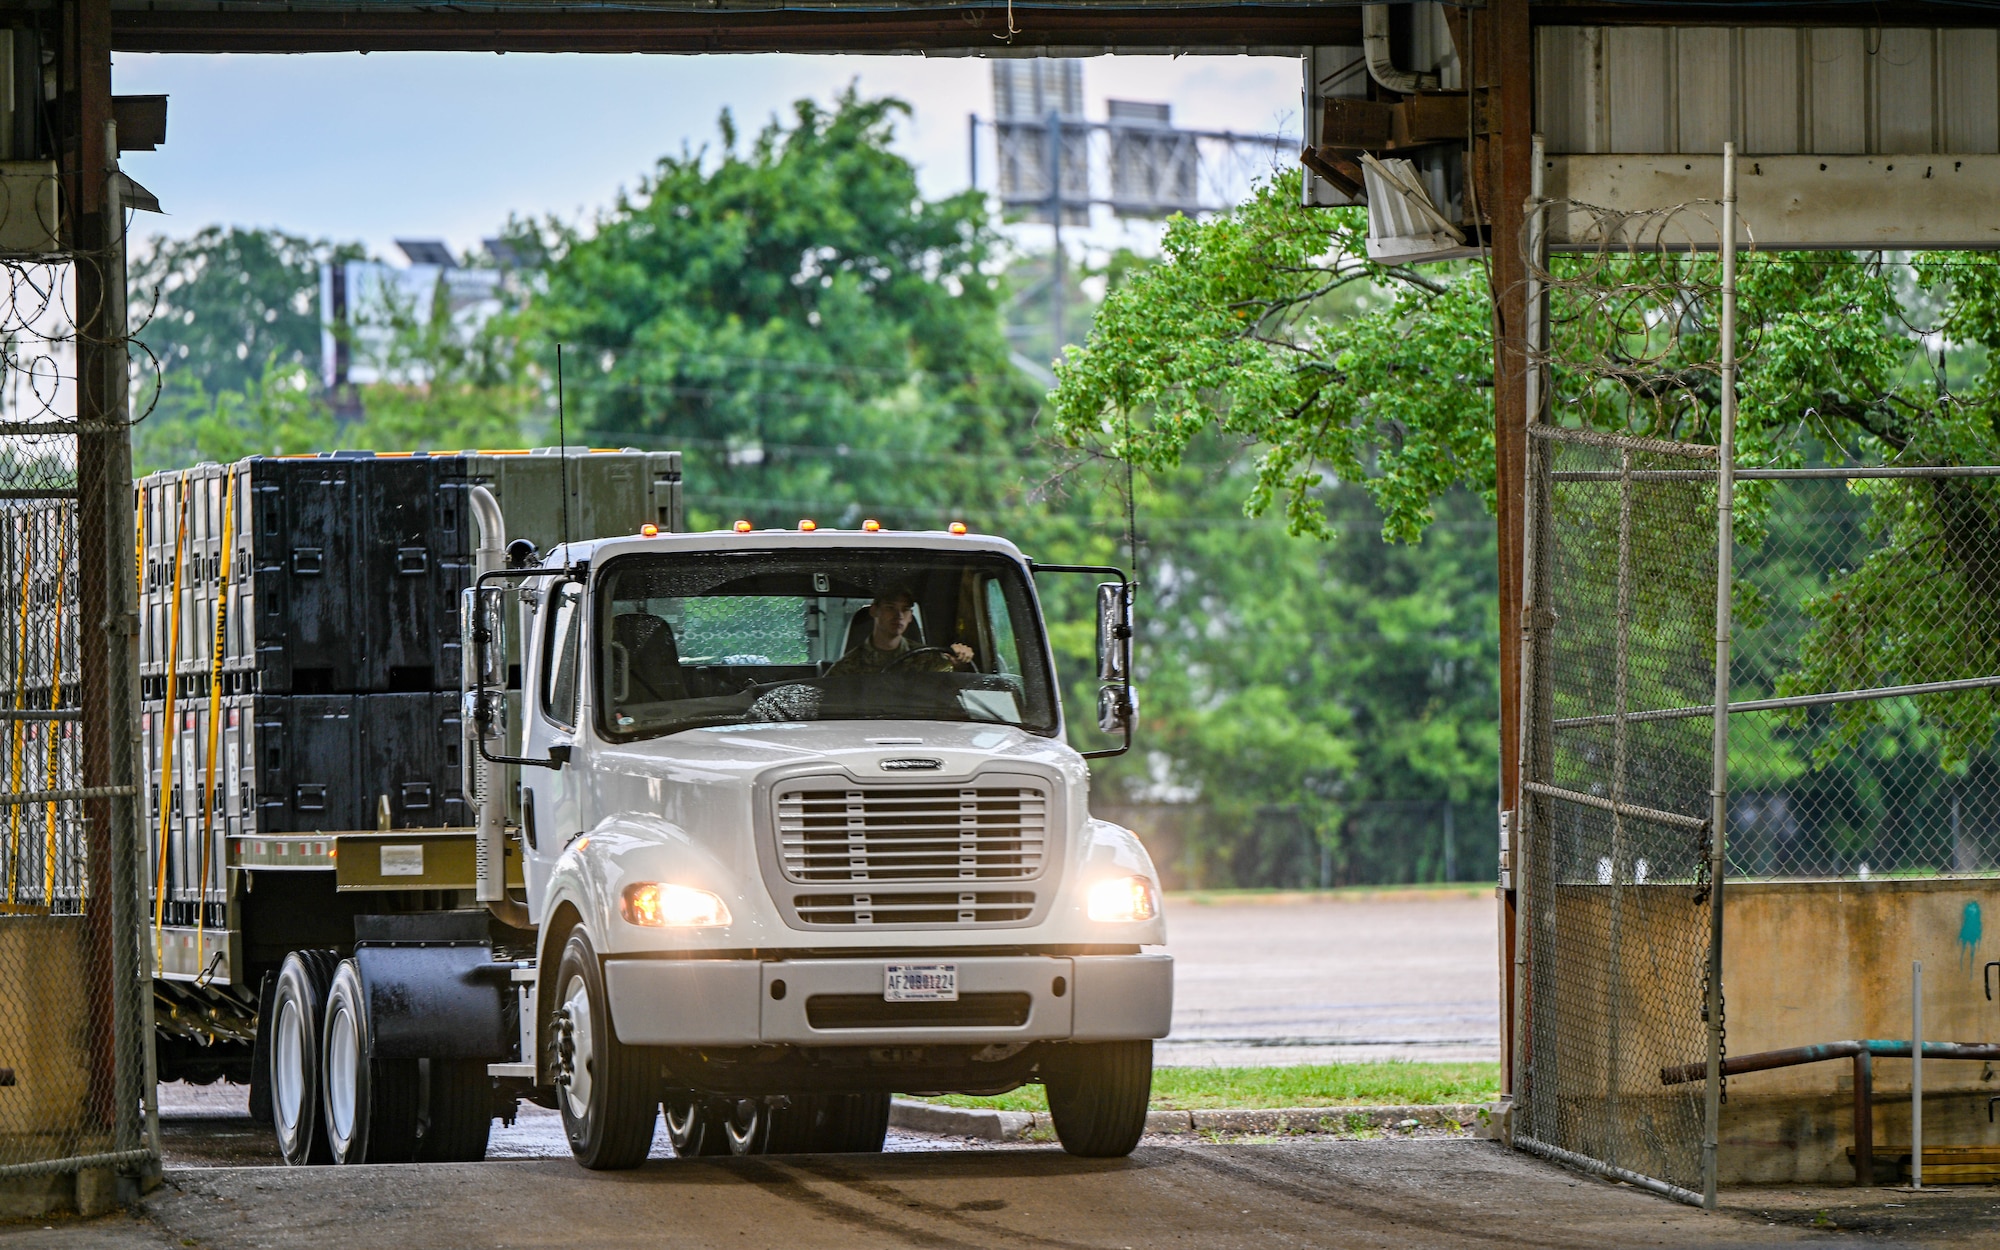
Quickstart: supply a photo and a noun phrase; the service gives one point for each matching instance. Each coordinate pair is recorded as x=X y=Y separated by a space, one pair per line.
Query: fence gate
x=75 y=1023
x=1616 y=902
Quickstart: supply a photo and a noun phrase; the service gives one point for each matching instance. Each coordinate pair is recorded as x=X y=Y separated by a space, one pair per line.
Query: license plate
x=920 y=983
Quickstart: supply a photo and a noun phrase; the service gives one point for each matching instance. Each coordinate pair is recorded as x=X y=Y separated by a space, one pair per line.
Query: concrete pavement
x=1294 y=979
x=1443 y=1193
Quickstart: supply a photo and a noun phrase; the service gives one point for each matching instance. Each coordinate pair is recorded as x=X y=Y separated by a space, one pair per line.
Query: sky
x=447 y=145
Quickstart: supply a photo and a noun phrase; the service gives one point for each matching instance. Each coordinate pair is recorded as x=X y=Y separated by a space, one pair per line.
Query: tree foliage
x=795 y=315
x=1392 y=392
x=1232 y=333
x=219 y=306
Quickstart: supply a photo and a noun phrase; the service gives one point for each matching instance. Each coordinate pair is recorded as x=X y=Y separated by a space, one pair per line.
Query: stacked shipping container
x=335 y=689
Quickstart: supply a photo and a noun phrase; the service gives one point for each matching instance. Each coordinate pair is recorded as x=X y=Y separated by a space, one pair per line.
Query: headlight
x=1123 y=898
x=672 y=906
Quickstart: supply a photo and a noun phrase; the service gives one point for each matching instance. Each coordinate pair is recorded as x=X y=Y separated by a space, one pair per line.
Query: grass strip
x=1316 y=1085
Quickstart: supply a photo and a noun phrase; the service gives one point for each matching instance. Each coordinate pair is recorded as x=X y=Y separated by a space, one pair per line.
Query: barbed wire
x=1634 y=310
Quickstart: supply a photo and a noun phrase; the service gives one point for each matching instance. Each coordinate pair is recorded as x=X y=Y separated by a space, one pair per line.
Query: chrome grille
x=895 y=834
x=927 y=907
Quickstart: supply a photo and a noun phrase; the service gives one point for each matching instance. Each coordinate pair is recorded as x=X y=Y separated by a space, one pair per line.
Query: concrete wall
x=1829 y=961
x=51 y=1111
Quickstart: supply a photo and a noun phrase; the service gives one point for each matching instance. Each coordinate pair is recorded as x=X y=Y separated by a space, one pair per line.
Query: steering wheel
x=907 y=656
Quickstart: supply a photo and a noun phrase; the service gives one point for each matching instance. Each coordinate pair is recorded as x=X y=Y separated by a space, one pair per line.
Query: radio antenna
x=562 y=445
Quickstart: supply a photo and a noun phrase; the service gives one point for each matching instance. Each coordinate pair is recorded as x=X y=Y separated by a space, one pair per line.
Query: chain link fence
x=1866 y=676
x=1616 y=900
x=1863 y=687
x=75 y=1030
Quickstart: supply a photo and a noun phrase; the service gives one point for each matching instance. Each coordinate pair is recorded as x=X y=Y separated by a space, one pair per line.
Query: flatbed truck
x=723 y=865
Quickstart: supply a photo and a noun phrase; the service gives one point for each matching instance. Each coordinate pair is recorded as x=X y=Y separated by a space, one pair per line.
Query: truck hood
x=875 y=748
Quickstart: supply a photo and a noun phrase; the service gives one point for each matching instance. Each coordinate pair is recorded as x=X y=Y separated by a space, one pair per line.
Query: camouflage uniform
x=866 y=657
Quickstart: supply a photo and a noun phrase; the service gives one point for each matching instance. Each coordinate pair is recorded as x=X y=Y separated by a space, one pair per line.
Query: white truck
x=740 y=861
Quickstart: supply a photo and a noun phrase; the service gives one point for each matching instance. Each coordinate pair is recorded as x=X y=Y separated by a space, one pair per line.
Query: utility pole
x=1054 y=153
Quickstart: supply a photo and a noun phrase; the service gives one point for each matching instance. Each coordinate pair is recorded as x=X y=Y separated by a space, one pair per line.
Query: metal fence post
x=1725 y=504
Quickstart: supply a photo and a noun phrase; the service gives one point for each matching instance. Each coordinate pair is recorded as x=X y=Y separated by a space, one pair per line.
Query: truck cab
x=799 y=827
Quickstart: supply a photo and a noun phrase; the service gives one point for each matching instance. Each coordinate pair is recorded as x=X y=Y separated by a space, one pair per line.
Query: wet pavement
x=1302 y=1192
x=1299 y=978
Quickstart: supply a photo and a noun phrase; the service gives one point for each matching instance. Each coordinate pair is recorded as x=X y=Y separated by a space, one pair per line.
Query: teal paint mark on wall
x=1970 y=929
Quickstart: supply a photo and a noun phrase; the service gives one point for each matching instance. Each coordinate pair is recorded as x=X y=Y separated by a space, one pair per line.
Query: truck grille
x=932 y=908
x=912 y=834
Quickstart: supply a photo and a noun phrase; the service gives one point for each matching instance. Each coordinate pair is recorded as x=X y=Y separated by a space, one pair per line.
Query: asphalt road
x=1400 y=1194
x=1295 y=980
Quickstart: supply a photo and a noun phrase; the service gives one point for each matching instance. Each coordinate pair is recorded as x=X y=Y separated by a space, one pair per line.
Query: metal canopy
x=1073 y=28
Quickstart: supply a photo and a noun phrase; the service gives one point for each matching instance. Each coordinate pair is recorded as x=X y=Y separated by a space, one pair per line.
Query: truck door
x=552 y=813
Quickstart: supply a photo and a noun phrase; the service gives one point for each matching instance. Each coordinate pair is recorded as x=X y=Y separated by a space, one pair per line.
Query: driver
x=885 y=643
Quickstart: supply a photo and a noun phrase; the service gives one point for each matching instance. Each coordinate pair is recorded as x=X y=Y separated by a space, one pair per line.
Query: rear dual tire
x=331 y=1102
x=297 y=1010
x=795 y=1124
x=372 y=1105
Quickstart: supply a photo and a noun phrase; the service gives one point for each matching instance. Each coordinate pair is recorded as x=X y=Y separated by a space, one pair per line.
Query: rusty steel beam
x=1760 y=13
x=945 y=30
x=1502 y=35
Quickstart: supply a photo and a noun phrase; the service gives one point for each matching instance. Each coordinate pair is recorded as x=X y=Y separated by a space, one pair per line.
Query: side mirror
x=1117 y=709
x=483 y=637
x=559 y=753
x=1114 y=631
x=1117 y=706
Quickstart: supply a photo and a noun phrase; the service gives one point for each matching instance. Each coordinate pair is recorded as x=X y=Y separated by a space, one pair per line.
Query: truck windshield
x=731 y=638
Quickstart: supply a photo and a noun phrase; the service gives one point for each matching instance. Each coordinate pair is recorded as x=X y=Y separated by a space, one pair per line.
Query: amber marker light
x=871 y=525
x=808 y=525
x=956 y=527
x=659 y=906
x=649 y=531
x=743 y=527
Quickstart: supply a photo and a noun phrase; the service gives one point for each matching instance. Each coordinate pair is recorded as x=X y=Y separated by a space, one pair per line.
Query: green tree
x=215 y=308
x=796 y=316
x=1314 y=695
x=1229 y=333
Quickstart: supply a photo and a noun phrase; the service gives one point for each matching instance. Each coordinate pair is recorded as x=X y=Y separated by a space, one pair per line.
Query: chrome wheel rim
x=745 y=1118
x=683 y=1115
x=343 y=1075
x=576 y=1009
x=288 y=1071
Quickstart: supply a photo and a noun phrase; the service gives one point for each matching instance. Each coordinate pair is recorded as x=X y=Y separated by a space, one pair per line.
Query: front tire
x=1098 y=1093
x=297 y=1007
x=370 y=1104
x=831 y=1124
x=608 y=1093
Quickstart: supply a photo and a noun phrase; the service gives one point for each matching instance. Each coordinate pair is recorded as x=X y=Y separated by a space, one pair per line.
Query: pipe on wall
x=1382 y=66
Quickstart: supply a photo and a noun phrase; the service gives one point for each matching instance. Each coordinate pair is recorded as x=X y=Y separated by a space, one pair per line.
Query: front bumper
x=837 y=1002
